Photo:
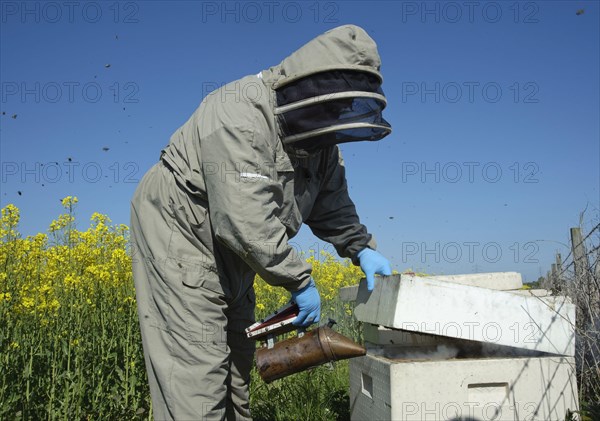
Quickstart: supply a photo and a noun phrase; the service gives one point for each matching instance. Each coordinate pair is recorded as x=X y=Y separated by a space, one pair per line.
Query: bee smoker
x=308 y=349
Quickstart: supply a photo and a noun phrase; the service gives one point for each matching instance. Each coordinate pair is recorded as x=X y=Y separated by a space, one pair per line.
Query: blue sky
x=494 y=105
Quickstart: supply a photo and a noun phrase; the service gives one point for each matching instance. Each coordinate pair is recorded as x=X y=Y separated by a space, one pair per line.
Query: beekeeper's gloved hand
x=309 y=302
x=371 y=263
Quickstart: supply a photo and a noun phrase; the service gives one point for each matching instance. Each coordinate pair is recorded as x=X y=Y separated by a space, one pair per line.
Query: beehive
x=446 y=349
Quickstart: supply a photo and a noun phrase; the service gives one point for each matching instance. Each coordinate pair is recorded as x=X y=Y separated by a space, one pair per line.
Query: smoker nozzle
x=314 y=348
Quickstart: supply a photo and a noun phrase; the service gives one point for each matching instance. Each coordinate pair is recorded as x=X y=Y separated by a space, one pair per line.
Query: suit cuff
x=372 y=244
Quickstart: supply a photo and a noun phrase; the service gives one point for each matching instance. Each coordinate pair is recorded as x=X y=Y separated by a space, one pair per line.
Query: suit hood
x=329 y=92
x=345 y=47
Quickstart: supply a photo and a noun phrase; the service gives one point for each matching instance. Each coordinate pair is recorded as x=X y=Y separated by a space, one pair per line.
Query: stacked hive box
x=470 y=347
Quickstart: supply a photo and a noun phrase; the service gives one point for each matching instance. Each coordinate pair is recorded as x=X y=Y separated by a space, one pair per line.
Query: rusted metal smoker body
x=314 y=348
x=308 y=349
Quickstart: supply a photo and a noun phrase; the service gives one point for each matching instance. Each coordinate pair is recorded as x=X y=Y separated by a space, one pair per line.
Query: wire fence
x=578 y=277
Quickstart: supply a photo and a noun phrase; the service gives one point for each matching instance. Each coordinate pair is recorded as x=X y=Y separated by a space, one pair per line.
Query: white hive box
x=521 y=388
x=462 y=347
x=442 y=308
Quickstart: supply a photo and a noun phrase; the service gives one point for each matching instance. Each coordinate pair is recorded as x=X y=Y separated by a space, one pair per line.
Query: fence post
x=579 y=254
x=559 y=278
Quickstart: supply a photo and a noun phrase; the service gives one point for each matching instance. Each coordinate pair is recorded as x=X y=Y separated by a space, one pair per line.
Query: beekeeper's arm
x=334 y=219
x=245 y=196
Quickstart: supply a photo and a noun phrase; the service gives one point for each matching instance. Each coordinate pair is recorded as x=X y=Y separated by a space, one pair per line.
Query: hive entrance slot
x=489 y=393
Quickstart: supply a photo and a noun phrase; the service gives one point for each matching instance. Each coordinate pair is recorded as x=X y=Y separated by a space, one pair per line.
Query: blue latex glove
x=371 y=263
x=309 y=302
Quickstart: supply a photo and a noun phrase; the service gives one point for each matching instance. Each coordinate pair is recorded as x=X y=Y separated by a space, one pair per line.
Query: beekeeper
x=232 y=187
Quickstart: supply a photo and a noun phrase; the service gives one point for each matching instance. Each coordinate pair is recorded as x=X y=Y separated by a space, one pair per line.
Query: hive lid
x=422 y=304
x=502 y=281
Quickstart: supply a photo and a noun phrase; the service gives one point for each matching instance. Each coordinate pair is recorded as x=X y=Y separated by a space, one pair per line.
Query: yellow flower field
x=70 y=346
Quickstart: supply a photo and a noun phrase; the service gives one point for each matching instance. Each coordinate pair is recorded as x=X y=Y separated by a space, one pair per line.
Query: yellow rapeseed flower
x=69 y=201
x=27 y=302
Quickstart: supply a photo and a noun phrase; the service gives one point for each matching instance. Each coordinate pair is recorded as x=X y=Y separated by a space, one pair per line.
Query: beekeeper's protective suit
x=255 y=160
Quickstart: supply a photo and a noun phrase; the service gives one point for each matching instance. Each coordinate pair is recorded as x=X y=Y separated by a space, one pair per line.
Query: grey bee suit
x=220 y=206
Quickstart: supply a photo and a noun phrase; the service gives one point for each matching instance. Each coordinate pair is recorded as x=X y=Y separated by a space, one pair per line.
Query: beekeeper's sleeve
x=245 y=196
x=333 y=217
